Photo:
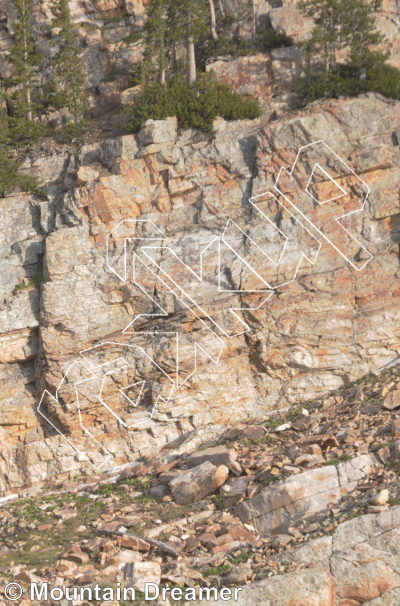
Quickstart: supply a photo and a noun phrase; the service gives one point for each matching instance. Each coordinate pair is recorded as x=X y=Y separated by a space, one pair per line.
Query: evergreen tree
x=340 y=24
x=350 y=25
x=25 y=58
x=68 y=76
x=187 y=21
x=156 y=37
x=10 y=177
x=360 y=32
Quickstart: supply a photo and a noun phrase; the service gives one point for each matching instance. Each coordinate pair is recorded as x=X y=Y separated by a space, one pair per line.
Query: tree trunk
x=162 y=60
x=254 y=20
x=27 y=75
x=221 y=9
x=213 y=22
x=192 y=60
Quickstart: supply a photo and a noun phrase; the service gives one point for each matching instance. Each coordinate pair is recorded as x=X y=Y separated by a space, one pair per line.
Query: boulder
x=396 y=429
x=304 y=588
x=158 y=131
x=273 y=508
x=381 y=498
x=86 y=175
x=300 y=496
x=127 y=57
x=392 y=400
x=288 y=20
x=158 y=492
x=26 y=578
x=201 y=481
x=253 y=432
x=238 y=574
x=234 y=488
x=146 y=572
x=128 y=96
x=248 y=76
x=218 y=455
x=93 y=37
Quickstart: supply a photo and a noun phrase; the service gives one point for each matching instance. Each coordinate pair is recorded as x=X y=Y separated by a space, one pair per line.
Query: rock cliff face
x=315 y=308
x=170 y=283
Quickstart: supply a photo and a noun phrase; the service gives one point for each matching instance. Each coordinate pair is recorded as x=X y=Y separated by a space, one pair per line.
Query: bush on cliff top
x=267 y=40
x=195 y=105
x=351 y=25
x=379 y=78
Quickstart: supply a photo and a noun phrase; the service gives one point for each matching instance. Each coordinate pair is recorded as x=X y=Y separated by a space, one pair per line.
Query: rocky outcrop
x=275 y=508
x=262 y=76
x=109 y=36
x=329 y=325
x=357 y=565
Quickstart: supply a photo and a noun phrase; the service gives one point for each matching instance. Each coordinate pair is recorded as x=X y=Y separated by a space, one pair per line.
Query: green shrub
x=273 y=39
x=195 y=106
x=378 y=77
x=11 y=179
x=230 y=46
x=267 y=40
x=112 y=76
x=136 y=75
x=333 y=461
x=74 y=132
x=25 y=132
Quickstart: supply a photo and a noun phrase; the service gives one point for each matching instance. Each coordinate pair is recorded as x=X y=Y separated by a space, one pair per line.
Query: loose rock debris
x=225 y=514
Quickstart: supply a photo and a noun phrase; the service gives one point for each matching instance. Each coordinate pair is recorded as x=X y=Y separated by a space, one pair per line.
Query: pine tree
x=340 y=24
x=26 y=61
x=68 y=74
x=11 y=178
x=156 y=36
x=326 y=37
x=187 y=21
x=360 y=32
x=349 y=25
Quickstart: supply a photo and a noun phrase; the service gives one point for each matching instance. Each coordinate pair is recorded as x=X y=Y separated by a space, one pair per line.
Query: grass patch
x=243 y=557
x=139 y=483
x=271 y=424
x=175 y=512
x=333 y=461
x=219 y=500
x=107 y=490
x=217 y=570
x=35 y=282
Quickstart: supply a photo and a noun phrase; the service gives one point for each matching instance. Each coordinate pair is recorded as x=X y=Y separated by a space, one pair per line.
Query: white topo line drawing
x=300 y=193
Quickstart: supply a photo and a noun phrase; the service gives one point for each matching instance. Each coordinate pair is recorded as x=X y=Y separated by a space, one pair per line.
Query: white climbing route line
x=137 y=251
